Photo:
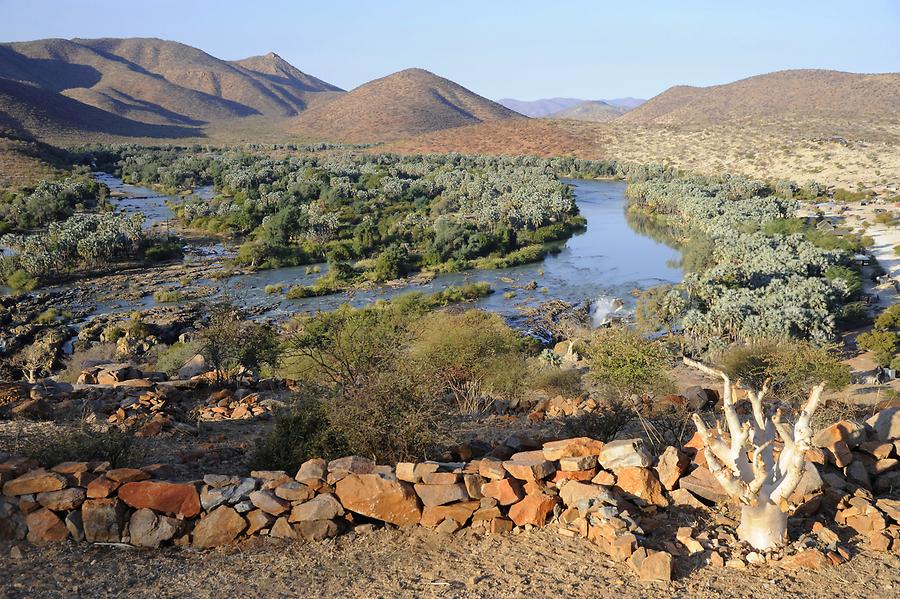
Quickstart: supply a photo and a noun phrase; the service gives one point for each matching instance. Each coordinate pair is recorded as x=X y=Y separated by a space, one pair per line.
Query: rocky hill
x=795 y=94
x=404 y=104
x=159 y=82
x=597 y=111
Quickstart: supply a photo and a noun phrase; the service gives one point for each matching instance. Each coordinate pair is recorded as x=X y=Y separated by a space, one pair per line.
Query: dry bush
x=83 y=443
x=75 y=364
x=557 y=381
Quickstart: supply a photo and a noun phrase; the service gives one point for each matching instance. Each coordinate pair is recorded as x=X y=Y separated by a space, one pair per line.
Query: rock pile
x=615 y=495
x=239 y=405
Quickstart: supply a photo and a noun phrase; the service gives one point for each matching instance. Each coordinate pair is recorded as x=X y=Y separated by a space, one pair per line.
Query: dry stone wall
x=611 y=494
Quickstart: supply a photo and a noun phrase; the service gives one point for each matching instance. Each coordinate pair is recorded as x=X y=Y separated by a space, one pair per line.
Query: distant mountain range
x=558 y=107
x=71 y=91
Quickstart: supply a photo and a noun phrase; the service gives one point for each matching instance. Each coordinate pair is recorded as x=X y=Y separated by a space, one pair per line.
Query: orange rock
x=529 y=466
x=506 y=491
x=126 y=475
x=175 y=499
x=621 y=548
x=671 y=466
x=641 y=483
x=811 y=559
x=34 y=481
x=45 y=527
x=435 y=495
x=219 y=527
x=460 y=512
x=534 y=510
x=657 y=567
x=101 y=487
x=582 y=475
x=572 y=448
x=380 y=498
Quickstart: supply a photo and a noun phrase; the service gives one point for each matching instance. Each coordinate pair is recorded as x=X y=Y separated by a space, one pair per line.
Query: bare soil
x=412 y=563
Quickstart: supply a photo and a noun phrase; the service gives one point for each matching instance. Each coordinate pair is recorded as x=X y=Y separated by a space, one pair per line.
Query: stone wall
x=615 y=495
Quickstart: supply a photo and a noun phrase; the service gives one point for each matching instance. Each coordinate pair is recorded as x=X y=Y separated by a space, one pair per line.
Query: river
x=600 y=265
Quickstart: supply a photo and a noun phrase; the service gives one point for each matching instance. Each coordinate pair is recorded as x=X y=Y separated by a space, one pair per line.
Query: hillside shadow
x=51 y=74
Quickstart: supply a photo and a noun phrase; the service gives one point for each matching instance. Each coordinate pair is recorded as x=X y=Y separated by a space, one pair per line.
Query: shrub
x=854 y=314
x=47 y=316
x=393 y=416
x=21 y=282
x=793 y=367
x=83 y=444
x=300 y=432
x=172 y=358
x=883 y=344
x=604 y=423
x=230 y=341
x=626 y=362
x=849 y=277
x=889 y=319
x=274 y=288
x=167 y=296
x=470 y=353
x=557 y=381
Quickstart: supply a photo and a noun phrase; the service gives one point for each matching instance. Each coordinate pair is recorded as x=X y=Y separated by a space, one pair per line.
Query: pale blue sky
x=523 y=49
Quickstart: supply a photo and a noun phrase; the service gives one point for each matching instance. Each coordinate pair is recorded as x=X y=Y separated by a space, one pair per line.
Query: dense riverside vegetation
x=51 y=201
x=752 y=268
x=370 y=216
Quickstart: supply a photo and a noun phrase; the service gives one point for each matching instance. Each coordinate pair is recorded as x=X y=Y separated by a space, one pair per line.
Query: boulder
x=573 y=492
x=671 y=466
x=851 y=433
x=656 y=567
x=641 y=483
x=701 y=482
x=811 y=559
x=624 y=453
x=312 y=472
x=12 y=522
x=530 y=465
x=101 y=487
x=259 y=520
x=34 y=481
x=458 y=512
x=317 y=530
x=45 y=527
x=534 y=510
x=506 y=491
x=219 y=527
x=572 y=448
x=268 y=502
x=491 y=468
x=62 y=500
x=379 y=498
x=282 y=529
x=103 y=520
x=149 y=529
x=126 y=475
x=434 y=495
x=75 y=524
x=174 y=499
x=885 y=425
x=193 y=367
x=322 y=507
x=294 y=491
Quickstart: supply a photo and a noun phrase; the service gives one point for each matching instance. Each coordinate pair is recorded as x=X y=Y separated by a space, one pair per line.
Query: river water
x=602 y=265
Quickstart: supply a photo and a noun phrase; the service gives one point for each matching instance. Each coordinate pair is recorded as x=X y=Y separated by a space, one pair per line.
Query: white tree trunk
x=763 y=526
x=745 y=465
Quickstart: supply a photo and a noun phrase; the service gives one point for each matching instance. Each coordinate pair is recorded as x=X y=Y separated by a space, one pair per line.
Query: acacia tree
x=746 y=466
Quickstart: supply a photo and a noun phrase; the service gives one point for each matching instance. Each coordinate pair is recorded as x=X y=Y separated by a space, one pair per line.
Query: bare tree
x=746 y=465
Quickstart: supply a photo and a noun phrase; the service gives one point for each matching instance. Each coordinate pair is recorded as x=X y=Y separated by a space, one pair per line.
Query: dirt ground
x=387 y=564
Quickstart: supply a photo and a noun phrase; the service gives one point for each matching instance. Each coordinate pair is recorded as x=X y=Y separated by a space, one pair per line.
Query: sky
x=521 y=49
